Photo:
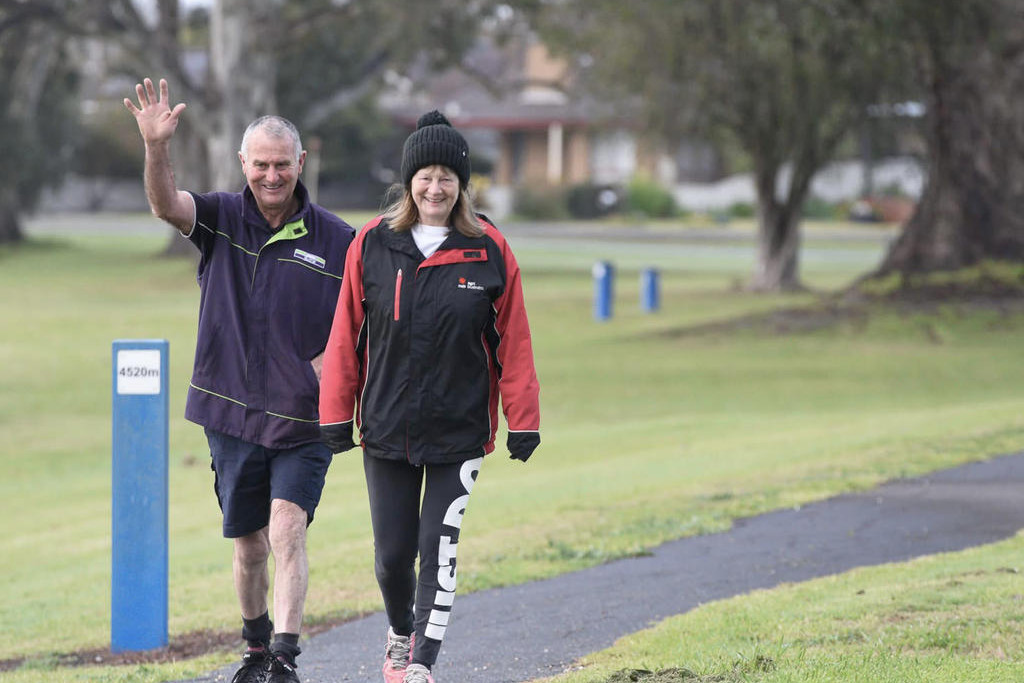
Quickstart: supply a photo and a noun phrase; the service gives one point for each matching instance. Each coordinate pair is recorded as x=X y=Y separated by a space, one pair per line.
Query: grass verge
x=945 y=618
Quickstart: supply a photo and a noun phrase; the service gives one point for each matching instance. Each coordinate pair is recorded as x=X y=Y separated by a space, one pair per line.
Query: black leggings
x=402 y=529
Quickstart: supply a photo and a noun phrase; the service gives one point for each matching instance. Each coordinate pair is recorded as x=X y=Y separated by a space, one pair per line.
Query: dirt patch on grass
x=855 y=306
x=741 y=672
x=180 y=648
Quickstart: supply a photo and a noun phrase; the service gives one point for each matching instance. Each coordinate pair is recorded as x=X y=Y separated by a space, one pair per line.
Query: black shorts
x=249 y=476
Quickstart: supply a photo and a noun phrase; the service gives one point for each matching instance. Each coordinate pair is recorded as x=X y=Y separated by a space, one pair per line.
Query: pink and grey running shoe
x=397 y=654
x=417 y=673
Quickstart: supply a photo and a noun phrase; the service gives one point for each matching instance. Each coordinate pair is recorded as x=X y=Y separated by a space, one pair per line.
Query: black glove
x=338 y=437
x=522 y=444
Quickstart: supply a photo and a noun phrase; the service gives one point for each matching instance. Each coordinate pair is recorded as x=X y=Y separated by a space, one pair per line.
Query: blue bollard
x=138 y=597
x=650 y=297
x=604 y=276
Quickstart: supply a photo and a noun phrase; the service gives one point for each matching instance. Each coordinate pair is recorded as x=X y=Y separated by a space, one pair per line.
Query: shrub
x=742 y=210
x=540 y=204
x=588 y=200
x=646 y=197
x=818 y=209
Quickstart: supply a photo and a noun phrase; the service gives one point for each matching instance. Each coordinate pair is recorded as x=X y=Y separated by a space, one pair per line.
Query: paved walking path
x=516 y=634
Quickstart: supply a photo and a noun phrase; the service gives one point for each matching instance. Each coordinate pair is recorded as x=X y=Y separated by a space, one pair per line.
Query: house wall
x=613 y=157
x=504 y=163
x=577 y=157
x=534 y=168
x=541 y=67
x=523 y=158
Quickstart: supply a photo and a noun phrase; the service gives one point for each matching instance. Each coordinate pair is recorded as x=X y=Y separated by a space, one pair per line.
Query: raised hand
x=157 y=121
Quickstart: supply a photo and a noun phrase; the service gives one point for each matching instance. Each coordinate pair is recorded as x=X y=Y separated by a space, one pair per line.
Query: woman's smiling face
x=435 y=189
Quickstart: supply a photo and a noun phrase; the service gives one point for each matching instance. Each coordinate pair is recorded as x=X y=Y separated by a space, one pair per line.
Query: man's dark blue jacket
x=266 y=305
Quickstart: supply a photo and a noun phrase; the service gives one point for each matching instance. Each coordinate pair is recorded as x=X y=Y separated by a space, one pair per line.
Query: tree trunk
x=973 y=205
x=10 y=218
x=240 y=88
x=778 y=256
x=933 y=238
x=38 y=49
x=778 y=238
x=242 y=73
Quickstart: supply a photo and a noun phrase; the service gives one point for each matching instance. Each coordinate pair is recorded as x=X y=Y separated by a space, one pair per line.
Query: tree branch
x=371 y=69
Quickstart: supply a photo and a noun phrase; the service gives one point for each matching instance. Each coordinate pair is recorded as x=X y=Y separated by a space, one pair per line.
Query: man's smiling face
x=271 y=170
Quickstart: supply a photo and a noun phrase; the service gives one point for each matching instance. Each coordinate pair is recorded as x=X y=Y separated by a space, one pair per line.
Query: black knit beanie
x=435 y=142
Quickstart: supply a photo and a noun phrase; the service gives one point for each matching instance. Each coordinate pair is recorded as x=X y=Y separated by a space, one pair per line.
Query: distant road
x=660 y=232
x=142 y=223
x=48 y=224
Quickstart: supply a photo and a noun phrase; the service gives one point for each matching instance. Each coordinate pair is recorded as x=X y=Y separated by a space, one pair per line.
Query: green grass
x=650 y=431
x=942 y=619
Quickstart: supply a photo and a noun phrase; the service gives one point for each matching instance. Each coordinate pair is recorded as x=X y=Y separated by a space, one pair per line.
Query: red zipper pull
x=398 y=292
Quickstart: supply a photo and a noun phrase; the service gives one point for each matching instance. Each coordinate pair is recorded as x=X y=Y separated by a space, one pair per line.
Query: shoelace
x=417 y=673
x=253 y=664
x=281 y=665
x=398 y=652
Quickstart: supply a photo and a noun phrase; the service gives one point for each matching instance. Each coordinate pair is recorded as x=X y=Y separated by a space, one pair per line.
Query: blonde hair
x=401 y=213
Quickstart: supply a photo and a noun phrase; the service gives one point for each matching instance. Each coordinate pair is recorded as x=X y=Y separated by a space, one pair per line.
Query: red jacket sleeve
x=341 y=375
x=518 y=387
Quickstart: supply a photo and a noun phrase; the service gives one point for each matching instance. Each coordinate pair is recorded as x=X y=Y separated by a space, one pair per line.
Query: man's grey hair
x=274 y=126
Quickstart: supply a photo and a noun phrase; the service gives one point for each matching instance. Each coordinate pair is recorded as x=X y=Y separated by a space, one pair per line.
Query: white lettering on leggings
x=446 y=550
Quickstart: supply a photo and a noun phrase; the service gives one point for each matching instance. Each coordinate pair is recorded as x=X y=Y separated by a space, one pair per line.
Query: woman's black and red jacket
x=422 y=348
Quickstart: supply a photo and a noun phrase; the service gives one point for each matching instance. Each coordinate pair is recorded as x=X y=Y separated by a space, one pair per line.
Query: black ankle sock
x=286 y=645
x=257 y=632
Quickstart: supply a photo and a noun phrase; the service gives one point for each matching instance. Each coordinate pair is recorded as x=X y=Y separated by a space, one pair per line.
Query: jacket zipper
x=398 y=292
x=398 y=287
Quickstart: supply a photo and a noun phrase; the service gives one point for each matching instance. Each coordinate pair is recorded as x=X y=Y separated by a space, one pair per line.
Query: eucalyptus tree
x=785 y=80
x=966 y=62
x=323 y=57
x=38 y=117
x=306 y=59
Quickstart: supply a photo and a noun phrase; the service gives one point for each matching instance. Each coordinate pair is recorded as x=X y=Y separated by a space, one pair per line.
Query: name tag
x=311 y=259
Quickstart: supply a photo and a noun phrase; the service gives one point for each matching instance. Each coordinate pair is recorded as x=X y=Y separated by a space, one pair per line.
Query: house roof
x=491 y=90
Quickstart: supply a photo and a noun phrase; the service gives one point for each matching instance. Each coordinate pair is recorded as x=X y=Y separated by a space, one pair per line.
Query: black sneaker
x=279 y=670
x=254 y=667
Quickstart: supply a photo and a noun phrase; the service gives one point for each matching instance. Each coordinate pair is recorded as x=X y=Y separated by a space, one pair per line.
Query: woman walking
x=430 y=331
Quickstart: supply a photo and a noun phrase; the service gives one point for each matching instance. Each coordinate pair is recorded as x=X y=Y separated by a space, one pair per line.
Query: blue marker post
x=604 y=276
x=650 y=298
x=138 y=598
